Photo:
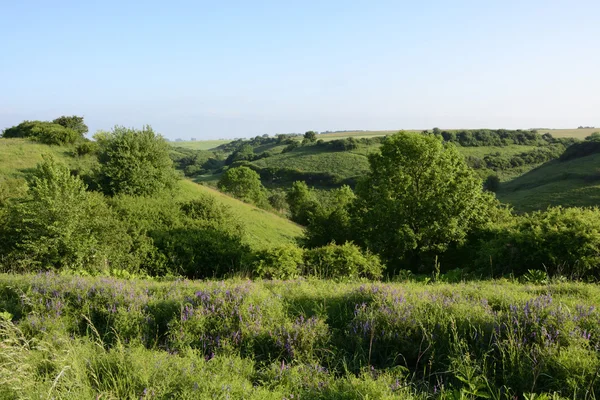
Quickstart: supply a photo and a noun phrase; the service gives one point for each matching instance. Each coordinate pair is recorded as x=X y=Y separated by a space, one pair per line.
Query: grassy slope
x=200 y=144
x=262 y=228
x=570 y=183
x=574 y=133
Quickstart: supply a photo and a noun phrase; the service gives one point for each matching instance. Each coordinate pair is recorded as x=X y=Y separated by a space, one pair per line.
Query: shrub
x=59 y=224
x=492 y=183
x=559 y=240
x=342 y=261
x=85 y=148
x=281 y=262
x=44 y=132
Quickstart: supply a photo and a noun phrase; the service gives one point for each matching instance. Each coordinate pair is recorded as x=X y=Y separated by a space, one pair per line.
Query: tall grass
x=75 y=337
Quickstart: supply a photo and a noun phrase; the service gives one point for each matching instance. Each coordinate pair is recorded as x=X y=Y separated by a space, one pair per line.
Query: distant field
x=199 y=144
x=575 y=133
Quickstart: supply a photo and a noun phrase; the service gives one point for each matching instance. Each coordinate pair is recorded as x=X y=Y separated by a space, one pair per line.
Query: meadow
x=74 y=337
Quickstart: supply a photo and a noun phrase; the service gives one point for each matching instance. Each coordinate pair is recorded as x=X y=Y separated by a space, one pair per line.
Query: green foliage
x=302 y=201
x=282 y=262
x=72 y=122
x=43 y=132
x=134 y=162
x=332 y=222
x=342 y=261
x=59 y=224
x=244 y=184
x=85 y=148
x=563 y=241
x=419 y=198
x=492 y=183
x=277 y=200
x=309 y=137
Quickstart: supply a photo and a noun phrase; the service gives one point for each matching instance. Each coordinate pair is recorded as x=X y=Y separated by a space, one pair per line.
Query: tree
x=134 y=162
x=310 y=137
x=243 y=183
x=331 y=223
x=302 y=201
x=419 y=197
x=72 y=122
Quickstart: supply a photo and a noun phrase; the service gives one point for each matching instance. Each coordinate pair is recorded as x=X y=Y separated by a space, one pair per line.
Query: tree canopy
x=419 y=197
x=243 y=183
x=134 y=162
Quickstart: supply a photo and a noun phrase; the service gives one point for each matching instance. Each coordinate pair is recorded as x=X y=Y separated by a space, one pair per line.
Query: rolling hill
x=262 y=228
x=568 y=183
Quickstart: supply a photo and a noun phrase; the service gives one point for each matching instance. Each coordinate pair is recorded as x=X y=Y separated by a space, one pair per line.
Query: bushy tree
x=243 y=183
x=309 y=137
x=60 y=224
x=333 y=222
x=134 y=162
x=302 y=201
x=419 y=197
x=72 y=122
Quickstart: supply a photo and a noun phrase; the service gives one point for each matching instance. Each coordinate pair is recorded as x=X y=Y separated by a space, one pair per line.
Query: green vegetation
x=134 y=162
x=413 y=210
x=200 y=144
x=75 y=337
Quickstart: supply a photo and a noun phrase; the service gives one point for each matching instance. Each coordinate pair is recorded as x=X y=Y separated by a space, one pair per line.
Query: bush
x=283 y=262
x=342 y=261
x=85 y=148
x=59 y=224
x=44 y=132
x=492 y=183
x=563 y=241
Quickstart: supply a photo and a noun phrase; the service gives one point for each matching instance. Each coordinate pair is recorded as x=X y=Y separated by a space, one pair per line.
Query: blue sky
x=240 y=68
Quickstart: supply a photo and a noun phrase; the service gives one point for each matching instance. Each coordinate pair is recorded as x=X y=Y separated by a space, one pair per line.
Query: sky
x=225 y=69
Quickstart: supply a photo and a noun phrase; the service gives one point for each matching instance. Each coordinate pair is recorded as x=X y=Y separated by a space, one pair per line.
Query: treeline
x=492 y=137
x=500 y=162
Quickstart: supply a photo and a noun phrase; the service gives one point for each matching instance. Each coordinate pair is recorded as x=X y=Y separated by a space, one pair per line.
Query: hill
x=199 y=144
x=568 y=183
x=581 y=133
x=263 y=228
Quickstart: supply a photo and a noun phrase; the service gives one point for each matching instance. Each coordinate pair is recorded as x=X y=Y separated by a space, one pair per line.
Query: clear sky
x=242 y=68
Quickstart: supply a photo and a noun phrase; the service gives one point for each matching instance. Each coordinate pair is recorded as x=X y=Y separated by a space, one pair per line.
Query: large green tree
x=134 y=162
x=419 y=198
x=243 y=183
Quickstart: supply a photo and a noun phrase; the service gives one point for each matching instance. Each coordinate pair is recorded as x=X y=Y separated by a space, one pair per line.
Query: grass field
x=72 y=337
x=569 y=183
x=574 y=133
x=199 y=144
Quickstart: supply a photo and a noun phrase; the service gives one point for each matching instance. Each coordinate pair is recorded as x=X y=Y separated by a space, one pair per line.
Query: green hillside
x=199 y=144
x=262 y=228
x=567 y=183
